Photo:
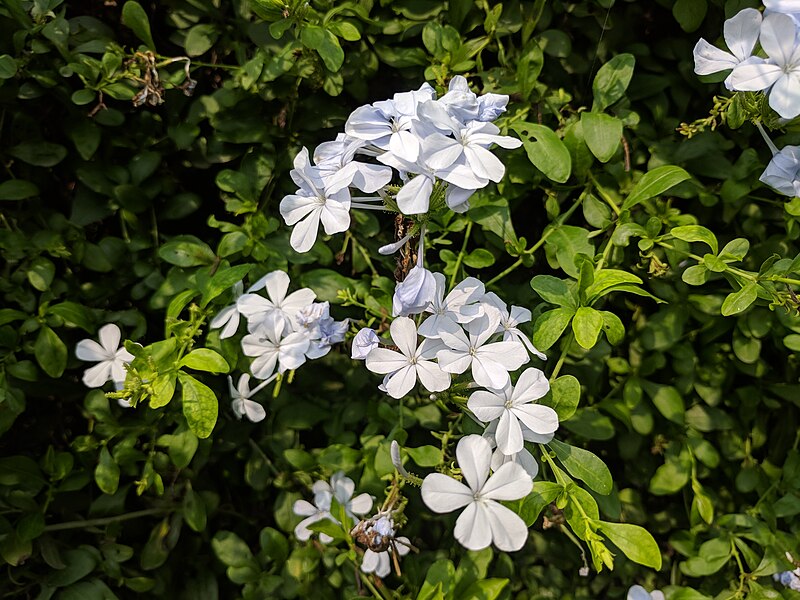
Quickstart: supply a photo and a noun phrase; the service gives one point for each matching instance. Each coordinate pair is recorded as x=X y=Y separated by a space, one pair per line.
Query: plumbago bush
x=428 y=300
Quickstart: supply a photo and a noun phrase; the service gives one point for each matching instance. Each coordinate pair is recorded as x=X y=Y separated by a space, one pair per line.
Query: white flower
x=317 y=511
x=386 y=124
x=509 y=322
x=270 y=348
x=461 y=305
x=279 y=310
x=228 y=317
x=312 y=203
x=241 y=403
x=741 y=33
x=780 y=75
x=380 y=562
x=469 y=145
x=343 y=489
x=364 y=342
x=637 y=592
x=514 y=407
x=411 y=363
x=321 y=330
x=340 y=487
x=338 y=169
x=490 y=362
x=110 y=357
x=783 y=171
x=484 y=520
x=415 y=292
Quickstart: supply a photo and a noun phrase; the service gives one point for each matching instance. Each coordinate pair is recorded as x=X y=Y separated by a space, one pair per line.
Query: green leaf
x=199 y=405
x=613 y=327
x=106 y=475
x=326 y=283
x=163 y=390
x=696 y=233
x=39 y=153
x=549 y=327
x=223 y=280
x=186 y=251
x=203 y=359
x=41 y=273
x=713 y=555
x=326 y=44
x=690 y=13
x=735 y=250
x=492 y=214
x=200 y=39
x=50 y=352
x=654 y=183
x=231 y=550
x=738 y=302
x=480 y=258
x=564 y=396
x=587 y=325
x=426 y=456
x=553 y=290
x=584 y=465
x=695 y=275
x=634 y=541
x=667 y=400
x=612 y=80
x=194 y=510
x=545 y=150
x=134 y=16
x=544 y=492
x=602 y=133
x=529 y=67
x=8 y=66
x=486 y=589
x=568 y=242
x=606 y=280
x=17 y=189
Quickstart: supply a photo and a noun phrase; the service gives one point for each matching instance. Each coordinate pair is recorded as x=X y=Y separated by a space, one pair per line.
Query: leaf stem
x=461 y=255
x=82 y=524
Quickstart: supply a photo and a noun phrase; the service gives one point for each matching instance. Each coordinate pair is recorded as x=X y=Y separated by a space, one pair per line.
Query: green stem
x=561 y=359
x=733 y=270
x=560 y=220
x=82 y=524
x=460 y=255
x=604 y=194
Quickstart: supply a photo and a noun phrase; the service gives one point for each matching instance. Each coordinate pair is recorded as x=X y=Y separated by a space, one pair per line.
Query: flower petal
x=509 y=482
x=305 y=232
x=530 y=386
x=97 y=375
x=536 y=417
x=784 y=97
x=472 y=528
x=109 y=337
x=431 y=376
x=486 y=406
x=383 y=361
x=443 y=494
x=361 y=504
x=474 y=455
x=778 y=36
x=741 y=32
x=404 y=334
x=755 y=76
x=415 y=196
x=509 y=433
x=89 y=350
x=401 y=382
x=509 y=531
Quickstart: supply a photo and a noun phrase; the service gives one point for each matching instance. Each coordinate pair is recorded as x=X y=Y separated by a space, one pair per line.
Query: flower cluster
x=284 y=330
x=470 y=333
x=438 y=148
x=775 y=70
